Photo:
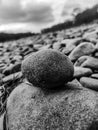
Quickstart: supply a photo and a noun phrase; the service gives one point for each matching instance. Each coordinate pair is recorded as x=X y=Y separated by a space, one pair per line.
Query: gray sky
x=32 y=15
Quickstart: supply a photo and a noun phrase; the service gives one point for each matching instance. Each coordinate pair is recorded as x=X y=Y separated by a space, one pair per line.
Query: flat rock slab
x=89 y=83
x=80 y=71
x=72 y=108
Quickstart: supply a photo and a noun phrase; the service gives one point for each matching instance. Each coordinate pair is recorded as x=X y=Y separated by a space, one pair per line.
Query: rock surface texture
x=74 y=108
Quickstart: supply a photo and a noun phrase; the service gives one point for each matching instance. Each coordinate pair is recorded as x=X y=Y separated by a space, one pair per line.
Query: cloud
x=19 y=27
x=29 y=14
x=68 y=9
x=37 y=14
x=25 y=11
x=80 y=4
x=10 y=11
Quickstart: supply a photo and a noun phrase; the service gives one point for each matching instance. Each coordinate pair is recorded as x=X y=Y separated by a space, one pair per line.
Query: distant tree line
x=87 y=16
x=84 y=17
x=58 y=27
x=7 y=37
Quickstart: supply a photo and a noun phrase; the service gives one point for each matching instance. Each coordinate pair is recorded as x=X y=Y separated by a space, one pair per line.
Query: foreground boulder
x=70 y=108
x=48 y=68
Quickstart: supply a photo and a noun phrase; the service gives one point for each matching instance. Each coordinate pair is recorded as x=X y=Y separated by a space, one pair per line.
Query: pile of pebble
x=80 y=45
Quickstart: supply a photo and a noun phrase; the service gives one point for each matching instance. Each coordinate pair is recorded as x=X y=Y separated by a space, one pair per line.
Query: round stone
x=47 y=68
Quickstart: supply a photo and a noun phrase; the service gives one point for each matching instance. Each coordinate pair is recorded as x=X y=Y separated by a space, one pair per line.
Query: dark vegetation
x=8 y=36
x=84 y=17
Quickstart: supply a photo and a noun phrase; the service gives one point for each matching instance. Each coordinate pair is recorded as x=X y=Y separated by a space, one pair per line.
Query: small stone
x=70 y=45
x=1 y=94
x=45 y=47
x=81 y=60
x=67 y=45
x=74 y=84
x=2 y=65
x=2 y=122
x=91 y=36
x=15 y=59
x=80 y=71
x=89 y=83
x=39 y=41
x=95 y=71
x=47 y=68
x=30 y=44
x=3 y=68
x=1 y=77
x=12 y=69
x=27 y=51
x=95 y=76
x=38 y=46
x=90 y=62
x=85 y=48
x=59 y=46
x=12 y=77
x=96 y=46
x=96 y=55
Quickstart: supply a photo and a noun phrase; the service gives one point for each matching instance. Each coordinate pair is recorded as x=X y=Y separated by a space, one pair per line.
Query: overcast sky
x=32 y=15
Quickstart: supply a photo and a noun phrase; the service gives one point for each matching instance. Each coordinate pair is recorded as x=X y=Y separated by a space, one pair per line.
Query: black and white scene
x=48 y=64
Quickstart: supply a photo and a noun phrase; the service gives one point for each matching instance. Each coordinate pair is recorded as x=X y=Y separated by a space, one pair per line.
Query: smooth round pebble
x=47 y=68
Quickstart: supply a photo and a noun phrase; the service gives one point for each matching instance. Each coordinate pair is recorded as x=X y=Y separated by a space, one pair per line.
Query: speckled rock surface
x=74 y=108
x=48 y=68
